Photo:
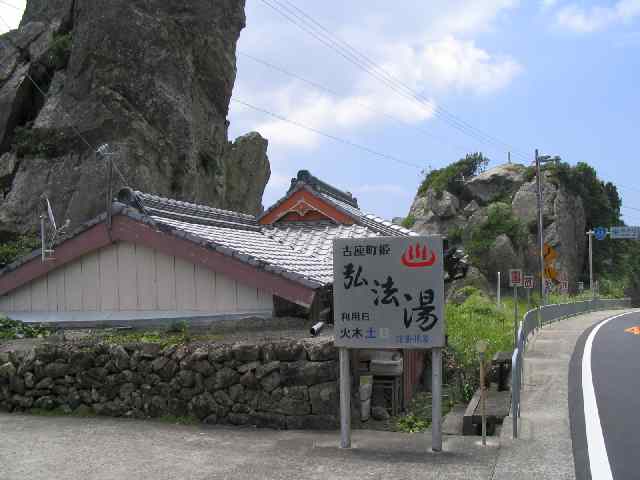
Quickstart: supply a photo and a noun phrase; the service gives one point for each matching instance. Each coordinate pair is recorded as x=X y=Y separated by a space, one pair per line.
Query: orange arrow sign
x=634 y=330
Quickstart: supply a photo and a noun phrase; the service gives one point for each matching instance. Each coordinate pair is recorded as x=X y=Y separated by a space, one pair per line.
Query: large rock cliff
x=494 y=216
x=151 y=78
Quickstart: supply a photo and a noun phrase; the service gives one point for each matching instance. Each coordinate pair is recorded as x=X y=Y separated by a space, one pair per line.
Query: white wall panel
x=91 y=282
x=165 y=276
x=73 y=286
x=146 y=275
x=205 y=289
x=109 y=279
x=127 y=283
x=39 y=300
x=22 y=299
x=126 y=277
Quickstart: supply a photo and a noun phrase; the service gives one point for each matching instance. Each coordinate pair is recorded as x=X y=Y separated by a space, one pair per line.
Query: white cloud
x=451 y=64
x=582 y=20
x=10 y=16
x=549 y=3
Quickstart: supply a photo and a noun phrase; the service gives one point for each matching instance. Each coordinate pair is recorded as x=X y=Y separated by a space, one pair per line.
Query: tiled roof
x=194 y=213
x=377 y=224
x=258 y=249
x=315 y=238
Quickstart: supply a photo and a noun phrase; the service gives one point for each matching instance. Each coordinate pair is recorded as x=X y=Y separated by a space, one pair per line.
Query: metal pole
x=345 y=399
x=43 y=238
x=436 y=399
x=515 y=317
x=591 y=286
x=499 y=292
x=109 y=189
x=483 y=400
x=540 y=228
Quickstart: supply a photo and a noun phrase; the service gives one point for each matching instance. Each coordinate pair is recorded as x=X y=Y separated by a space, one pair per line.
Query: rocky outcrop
x=496 y=183
x=459 y=217
x=152 y=79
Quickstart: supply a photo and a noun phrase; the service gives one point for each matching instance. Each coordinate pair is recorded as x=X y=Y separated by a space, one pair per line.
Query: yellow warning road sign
x=549 y=253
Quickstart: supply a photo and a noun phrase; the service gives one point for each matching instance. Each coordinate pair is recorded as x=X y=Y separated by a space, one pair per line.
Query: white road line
x=598 y=458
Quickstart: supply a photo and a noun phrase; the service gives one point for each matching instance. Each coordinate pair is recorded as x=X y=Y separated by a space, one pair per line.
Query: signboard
x=550 y=255
x=564 y=286
x=388 y=292
x=515 y=278
x=528 y=282
x=600 y=233
x=625 y=233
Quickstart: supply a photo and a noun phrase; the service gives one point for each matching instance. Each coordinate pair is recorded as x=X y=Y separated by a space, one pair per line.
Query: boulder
x=496 y=183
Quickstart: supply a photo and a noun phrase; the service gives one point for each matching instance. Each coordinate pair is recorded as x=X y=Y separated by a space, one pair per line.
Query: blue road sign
x=600 y=233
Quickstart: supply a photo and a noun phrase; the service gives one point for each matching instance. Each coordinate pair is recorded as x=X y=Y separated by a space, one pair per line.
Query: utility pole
x=540 y=229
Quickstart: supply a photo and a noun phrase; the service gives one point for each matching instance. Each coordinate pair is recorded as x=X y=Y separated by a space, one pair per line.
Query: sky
x=416 y=85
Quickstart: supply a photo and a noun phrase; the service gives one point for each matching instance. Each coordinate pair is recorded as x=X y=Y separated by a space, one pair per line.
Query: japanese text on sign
x=388 y=293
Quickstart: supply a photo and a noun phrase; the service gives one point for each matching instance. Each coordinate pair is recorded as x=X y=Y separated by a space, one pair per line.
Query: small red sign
x=515 y=278
x=417 y=256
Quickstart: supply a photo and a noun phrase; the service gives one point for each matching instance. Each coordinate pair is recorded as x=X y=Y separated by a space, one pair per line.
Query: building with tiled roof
x=152 y=257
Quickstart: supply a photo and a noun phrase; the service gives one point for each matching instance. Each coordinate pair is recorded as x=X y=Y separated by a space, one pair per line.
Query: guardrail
x=539 y=317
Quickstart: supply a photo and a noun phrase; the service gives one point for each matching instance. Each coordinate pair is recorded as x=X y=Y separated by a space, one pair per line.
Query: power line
x=334 y=93
x=327 y=135
x=12 y=6
x=306 y=23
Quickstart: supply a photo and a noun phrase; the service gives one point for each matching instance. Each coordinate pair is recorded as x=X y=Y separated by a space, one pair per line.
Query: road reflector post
x=481 y=348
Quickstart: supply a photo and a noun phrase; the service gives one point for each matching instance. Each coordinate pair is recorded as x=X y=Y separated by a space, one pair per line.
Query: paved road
x=66 y=448
x=604 y=399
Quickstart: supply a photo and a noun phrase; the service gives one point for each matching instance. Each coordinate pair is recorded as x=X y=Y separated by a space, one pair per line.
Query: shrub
x=14 y=249
x=409 y=221
x=38 y=142
x=12 y=329
x=450 y=178
x=60 y=50
x=500 y=221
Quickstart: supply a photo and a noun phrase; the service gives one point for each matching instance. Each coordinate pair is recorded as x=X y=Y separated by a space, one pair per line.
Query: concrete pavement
x=67 y=448
x=544 y=447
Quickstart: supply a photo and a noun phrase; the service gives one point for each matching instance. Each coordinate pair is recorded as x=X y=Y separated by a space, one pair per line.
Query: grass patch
x=164 y=338
x=15 y=329
x=38 y=142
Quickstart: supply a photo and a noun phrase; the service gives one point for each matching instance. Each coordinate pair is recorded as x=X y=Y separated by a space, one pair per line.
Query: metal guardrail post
x=515 y=392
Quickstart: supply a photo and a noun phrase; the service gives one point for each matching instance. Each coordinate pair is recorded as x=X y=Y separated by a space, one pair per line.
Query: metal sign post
x=498 y=289
x=345 y=399
x=515 y=281
x=388 y=293
x=528 y=283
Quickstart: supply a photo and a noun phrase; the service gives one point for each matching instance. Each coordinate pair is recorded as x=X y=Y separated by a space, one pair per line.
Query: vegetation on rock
x=500 y=221
x=13 y=249
x=451 y=177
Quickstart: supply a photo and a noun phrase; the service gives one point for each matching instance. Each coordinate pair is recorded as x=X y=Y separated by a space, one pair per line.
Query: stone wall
x=286 y=385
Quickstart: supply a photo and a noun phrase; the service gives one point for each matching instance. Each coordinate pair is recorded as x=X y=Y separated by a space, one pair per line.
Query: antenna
x=49 y=233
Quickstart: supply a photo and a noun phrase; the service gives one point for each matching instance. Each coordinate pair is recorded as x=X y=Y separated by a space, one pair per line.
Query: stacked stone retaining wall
x=284 y=385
